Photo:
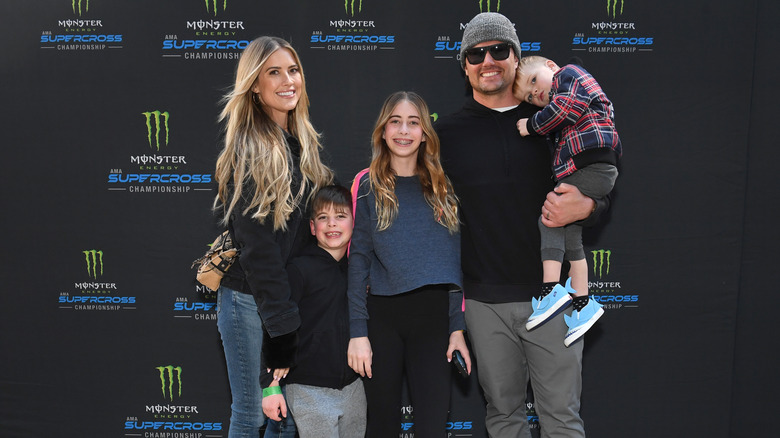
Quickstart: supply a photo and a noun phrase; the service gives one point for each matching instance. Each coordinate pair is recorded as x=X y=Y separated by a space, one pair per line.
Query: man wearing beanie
x=502 y=180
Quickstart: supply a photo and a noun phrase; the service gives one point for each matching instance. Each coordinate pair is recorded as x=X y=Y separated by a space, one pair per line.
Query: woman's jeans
x=242 y=337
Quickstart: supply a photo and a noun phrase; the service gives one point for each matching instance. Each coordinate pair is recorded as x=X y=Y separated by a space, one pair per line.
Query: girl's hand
x=359 y=356
x=458 y=342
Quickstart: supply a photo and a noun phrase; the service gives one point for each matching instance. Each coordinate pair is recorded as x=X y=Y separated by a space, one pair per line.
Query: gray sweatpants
x=326 y=412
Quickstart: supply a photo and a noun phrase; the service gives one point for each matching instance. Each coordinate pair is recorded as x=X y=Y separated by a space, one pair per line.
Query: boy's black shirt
x=318 y=283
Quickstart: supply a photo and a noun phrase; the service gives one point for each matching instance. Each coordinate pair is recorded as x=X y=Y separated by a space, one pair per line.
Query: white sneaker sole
x=574 y=336
x=558 y=306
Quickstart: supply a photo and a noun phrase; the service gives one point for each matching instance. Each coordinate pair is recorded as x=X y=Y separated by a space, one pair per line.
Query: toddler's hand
x=522 y=126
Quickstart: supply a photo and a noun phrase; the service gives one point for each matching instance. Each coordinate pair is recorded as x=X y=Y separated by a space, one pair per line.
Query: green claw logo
x=77 y=6
x=498 y=6
x=94 y=259
x=212 y=4
x=166 y=380
x=612 y=4
x=601 y=261
x=157 y=115
x=349 y=7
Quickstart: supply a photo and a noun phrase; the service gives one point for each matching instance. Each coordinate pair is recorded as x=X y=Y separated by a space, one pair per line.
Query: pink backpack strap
x=354 y=190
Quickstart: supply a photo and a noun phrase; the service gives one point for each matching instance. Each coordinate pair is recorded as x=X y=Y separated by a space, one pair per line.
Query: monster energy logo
x=601 y=258
x=612 y=4
x=157 y=115
x=77 y=6
x=349 y=7
x=212 y=4
x=166 y=380
x=94 y=259
x=498 y=6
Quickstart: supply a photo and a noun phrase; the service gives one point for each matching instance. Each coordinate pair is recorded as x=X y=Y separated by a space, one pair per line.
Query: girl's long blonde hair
x=437 y=188
x=256 y=157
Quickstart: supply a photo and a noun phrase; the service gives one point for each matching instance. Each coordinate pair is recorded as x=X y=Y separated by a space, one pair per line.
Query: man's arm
x=566 y=205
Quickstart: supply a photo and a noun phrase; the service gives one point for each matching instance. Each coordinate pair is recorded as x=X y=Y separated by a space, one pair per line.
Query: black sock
x=547 y=288
x=580 y=302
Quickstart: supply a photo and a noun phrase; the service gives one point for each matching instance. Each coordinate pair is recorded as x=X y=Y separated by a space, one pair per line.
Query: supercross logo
x=159 y=120
x=213 y=5
x=612 y=7
x=170 y=379
x=601 y=261
x=94 y=260
x=487 y=6
x=349 y=7
x=76 y=4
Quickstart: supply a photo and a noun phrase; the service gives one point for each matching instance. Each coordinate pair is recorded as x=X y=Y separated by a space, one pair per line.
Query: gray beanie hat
x=488 y=26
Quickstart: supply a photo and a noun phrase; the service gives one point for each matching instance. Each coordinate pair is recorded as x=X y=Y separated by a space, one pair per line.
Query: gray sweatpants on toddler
x=593 y=181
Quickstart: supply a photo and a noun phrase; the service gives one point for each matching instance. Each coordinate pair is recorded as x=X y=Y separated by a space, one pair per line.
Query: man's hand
x=564 y=205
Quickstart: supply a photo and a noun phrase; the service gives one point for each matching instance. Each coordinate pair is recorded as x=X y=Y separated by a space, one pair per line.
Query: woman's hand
x=274 y=406
x=279 y=373
x=359 y=356
x=458 y=342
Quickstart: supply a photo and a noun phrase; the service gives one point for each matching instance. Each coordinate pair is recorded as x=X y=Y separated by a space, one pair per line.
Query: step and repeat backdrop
x=110 y=136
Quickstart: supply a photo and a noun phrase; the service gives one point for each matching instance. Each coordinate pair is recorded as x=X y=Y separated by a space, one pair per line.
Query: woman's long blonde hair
x=256 y=157
x=437 y=188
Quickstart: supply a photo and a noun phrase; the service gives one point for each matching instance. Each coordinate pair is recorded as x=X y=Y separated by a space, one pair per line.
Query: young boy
x=587 y=148
x=324 y=395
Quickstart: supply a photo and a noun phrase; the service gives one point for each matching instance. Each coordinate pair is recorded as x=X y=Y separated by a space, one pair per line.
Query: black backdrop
x=109 y=141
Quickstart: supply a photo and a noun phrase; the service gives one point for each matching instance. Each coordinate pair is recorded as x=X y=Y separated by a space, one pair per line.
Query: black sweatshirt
x=501 y=180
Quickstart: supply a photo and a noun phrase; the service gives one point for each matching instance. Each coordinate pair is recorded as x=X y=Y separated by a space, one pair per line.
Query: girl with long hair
x=404 y=273
x=266 y=172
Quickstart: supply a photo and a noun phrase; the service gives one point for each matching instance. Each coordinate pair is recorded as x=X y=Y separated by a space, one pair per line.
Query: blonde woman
x=266 y=172
x=404 y=273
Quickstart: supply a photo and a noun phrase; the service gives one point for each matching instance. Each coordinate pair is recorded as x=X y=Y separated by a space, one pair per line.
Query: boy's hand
x=274 y=406
x=522 y=126
x=359 y=356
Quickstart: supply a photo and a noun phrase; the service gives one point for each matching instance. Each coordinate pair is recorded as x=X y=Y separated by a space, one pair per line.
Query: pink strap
x=354 y=190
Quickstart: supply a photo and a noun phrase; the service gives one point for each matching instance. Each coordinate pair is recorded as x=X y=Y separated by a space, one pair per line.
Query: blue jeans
x=242 y=338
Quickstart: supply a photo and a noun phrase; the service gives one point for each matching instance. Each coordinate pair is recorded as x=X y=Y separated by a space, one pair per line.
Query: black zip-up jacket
x=319 y=286
x=260 y=270
x=501 y=180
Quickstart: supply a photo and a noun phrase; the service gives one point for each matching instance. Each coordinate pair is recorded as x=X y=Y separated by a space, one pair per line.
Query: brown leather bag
x=217 y=260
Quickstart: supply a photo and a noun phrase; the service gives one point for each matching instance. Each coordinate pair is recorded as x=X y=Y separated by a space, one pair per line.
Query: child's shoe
x=580 y=321
x=548 y=306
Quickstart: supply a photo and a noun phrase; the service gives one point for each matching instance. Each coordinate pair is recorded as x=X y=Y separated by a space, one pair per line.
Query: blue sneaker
x=549 y=306
x=580 y=322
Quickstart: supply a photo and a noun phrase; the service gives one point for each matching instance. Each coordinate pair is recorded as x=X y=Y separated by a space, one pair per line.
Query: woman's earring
x=256 y=99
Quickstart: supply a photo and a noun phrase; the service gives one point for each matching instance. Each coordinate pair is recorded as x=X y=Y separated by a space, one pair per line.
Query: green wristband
x=272 y=390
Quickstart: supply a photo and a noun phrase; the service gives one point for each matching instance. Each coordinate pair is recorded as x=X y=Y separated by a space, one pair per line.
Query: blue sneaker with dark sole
x=547 y=307
x=580 y=322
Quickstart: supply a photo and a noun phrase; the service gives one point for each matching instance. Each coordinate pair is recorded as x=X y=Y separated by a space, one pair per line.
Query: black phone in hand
x=460 y=363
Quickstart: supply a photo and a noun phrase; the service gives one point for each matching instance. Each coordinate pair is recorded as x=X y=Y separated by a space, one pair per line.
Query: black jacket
x=260 y=270
x=319 y=286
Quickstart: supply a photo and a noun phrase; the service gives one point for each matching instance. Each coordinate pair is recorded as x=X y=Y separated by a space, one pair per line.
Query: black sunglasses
x=498 y=52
